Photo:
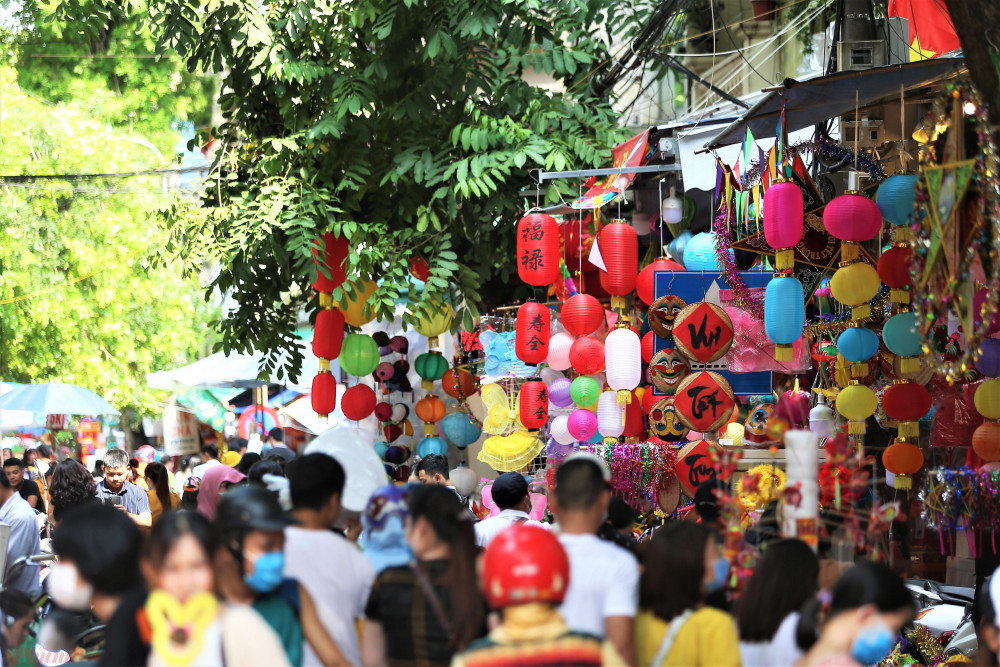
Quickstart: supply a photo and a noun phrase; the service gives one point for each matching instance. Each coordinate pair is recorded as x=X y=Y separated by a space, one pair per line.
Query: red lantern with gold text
x=645 y=283
x=328 y=334
x=538 y=249
x=358 y=402
x=619 y=245
x=903 y=459
x=894 y=271
x=533 y=406
x=586 y=356
x=582 y=315
x=906 y=402
x=324 y=393
x=531 y=339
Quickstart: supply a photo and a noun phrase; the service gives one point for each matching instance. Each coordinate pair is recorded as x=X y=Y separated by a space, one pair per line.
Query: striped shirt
x=133 y=498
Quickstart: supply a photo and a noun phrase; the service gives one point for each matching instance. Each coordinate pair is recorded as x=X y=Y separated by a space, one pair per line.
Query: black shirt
x=30 y=488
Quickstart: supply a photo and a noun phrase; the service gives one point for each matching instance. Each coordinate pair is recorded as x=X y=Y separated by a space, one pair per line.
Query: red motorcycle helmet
x=525 y=564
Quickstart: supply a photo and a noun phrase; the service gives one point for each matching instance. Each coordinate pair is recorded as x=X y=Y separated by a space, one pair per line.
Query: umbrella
x=56 y=398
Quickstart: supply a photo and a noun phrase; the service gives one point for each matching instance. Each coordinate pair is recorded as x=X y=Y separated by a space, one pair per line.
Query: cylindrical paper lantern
x=645 y=283
x=584 y=390
x=986 y=441
x=531 y=338
x=328 y=335
x=623 y=360
x=620 y=250
x=855 y=285
x=989 y=360
x=461 y=429
x=852 y=217
x=902 y=338
x=359 y=354
x=333 y=250
x=987 y=399
x=856 y=403
x=430 y=366
x=610 y=415
x=648 y=347
x=324 y=393
x=358 y=309
x=538 y=249
x=783 y=220
x=582 y=424
x=460 y=385
x=582 y=315
x=907 y=403
x=903 y=459
x=587 y=356
x=895 y=198
x=559 y=430
x=560 y=392
x=533 y=404
x=559 y=347
x=432 y=445
x=894 y=271
x=784 y=313
x=358 y=402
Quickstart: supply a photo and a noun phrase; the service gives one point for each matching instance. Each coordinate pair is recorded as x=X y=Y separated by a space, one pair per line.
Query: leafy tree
x=407 y=126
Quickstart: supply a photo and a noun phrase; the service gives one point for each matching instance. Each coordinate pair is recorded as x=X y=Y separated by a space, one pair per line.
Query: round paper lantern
x=895 y=198
x=559 y=347
x=358 y=402
x=703 y=332
x=667 y=369
x=531 y=337
x=644 y=284
x=396 y=454
x=664 y=421
x=358 y=309
x=324 y=393
x=560 y=392
x=987 y=399
x=662 y=314
x=383 y=411
x=852 y=217
x=432 y=445
x=856 y=403
x=649 y=398
x=430 y=409
x=694 y=466
x=855 y=285
x=433 y=321
x=989 y=359
x=734 y=431
x=784 y=315
x=430 y=366
x=582 y=315
x=648 y=347
x=623 y=360
x=582 y=424
x=587 y=356
x=461 y=429
x=381 y=448
x=894 y=271
x=419 y=268
x=399 y=344
x=359 y=354
x=330 y=269
x=538 y=249
x=533 y=404
x=902 y=338
x=384 y=371
x=460 y=385
x=677 y=247
x=858 y=345
x=986 y=441
x=584 y=390
x=610 y=415
x=619 y=247
x=902 y=459
x=783 y=219
x=328 y=334
x=704 y=401
x=699 y=253
x=907 y=403
x=559 y=430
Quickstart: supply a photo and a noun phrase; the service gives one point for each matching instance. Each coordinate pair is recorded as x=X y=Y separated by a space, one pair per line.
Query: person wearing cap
x=525 y=574
x=602 y=598
x=249 y=568
x=510 y=493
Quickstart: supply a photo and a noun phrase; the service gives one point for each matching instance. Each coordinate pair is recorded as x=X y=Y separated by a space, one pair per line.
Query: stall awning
x=816 y=100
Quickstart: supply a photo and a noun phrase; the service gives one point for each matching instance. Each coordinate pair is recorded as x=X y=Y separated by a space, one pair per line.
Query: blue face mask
x=720 y=574
x=268 y=572
x=872 y=644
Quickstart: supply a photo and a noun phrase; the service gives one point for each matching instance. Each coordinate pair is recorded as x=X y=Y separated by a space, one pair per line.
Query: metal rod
x=648 y=169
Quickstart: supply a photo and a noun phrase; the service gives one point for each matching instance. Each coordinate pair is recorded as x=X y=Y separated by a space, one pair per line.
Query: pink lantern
x=582 y=424
x=783 y=215
x=852 y=218
x=559 y=347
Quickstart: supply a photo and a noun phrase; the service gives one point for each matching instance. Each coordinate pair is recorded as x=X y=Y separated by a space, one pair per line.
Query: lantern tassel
x=899 y=296
x=618 y=303
x=856 y=427
x=784 y=259
x=427 y=385
x=909 y=429
x=859 y=370
x=903 y=482
x=624 y=397
x=909 y=364
x=861 y=312
x=325 y=299
x=428 y=429
x=324 y=365
x=784 y=353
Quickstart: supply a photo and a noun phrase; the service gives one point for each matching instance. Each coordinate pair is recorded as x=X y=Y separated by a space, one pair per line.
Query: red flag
x=931 y=30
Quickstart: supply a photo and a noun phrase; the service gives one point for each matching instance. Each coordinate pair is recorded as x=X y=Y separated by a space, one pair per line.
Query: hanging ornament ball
x=384 y=371
x=989 y=360
x=587 y=355
x=461 y=429
x=461 y=386
x=560 y=392
x=582 y=315
x=559 y=347
x=895 y=198
x=432 y=445
x=419 y=268
x=703 y=332
x=704 y=401
x=582 y=424
x=986 y=441
x=584 y=391
x=699 y=253
x=645 y=283
x=358 y=402
x=559 y=430
x=987 y=399
x=359 y=355
x=400 y=411
x=383 y=411
x=648 y=347
x=357 y=308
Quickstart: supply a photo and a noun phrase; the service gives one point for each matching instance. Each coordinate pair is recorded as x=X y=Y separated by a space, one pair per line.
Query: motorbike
x=946 y=612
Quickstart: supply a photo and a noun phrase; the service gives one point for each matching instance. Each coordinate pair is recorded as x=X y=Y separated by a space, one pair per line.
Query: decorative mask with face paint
x=666 y=370
x=664 y=421
x=662 y=313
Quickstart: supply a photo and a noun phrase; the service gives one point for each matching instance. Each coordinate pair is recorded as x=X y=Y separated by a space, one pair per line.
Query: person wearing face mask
x=681 y=566
x=250 y=565
x=860 y=625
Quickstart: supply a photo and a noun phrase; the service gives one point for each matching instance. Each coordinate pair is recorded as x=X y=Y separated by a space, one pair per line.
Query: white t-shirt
x=489 y=528
x=780 y=651
x=199 y=470
x=603 y=582
x=338 y=577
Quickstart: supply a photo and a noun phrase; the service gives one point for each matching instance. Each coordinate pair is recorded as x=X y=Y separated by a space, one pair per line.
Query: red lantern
x=533 y=405
x=907 y=403
x=586 y=356
x=635 y=427
x=903 y=459
x=324 y=393
x=644 y=284
x=582 y=314
x=538 y=249
x=531 y=340
x=358 y=402
x=783 y=217
x=894 y=271
x=419 y=268
x=648 y=347
x=383 y=411
x=649 y=399
x=335 y=250
x=328 y=334
x=461 y=387
x=619 y=245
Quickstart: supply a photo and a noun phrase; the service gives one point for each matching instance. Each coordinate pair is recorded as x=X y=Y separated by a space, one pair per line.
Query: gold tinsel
x=930 y=650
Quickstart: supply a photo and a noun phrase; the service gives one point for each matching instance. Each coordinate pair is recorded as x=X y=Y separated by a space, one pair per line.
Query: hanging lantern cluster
x=329 y=254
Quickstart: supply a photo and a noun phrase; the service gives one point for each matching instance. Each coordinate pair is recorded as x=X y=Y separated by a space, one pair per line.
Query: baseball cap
x=509 y=489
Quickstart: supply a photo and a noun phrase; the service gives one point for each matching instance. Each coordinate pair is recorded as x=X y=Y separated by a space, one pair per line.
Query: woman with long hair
x=674 y=627
x=72 y=485
x=161 y=498
x=424 y=612
x=869 y=606
x=785 y=578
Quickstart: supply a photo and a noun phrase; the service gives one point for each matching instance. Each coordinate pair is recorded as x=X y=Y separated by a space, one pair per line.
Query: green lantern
x=359 y=355
x=430 y=366
x=585 y=391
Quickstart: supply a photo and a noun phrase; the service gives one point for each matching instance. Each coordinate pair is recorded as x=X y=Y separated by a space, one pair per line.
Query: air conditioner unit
x=871 y=133
x=860 y=55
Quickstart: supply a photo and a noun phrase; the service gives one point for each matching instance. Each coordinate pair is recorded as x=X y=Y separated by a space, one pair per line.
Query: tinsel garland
x=723 y=241
x=827 y=149
x=637 y=469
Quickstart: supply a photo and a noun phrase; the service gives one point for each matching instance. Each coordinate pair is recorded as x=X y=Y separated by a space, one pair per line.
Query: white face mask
x=67 y=589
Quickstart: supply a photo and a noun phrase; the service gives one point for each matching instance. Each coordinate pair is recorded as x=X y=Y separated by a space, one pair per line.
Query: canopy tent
x=16 y=419
x=56 y=398
x=816 y=100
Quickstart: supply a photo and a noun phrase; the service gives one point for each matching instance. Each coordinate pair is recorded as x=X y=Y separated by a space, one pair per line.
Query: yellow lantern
x=358 y=310
x=855 y=285
x=735 y=432
x=434 y=321
x=987 y=399
x=857 y=403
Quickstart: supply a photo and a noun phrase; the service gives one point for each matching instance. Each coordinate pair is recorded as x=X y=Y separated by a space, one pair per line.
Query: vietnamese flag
x=931 y=30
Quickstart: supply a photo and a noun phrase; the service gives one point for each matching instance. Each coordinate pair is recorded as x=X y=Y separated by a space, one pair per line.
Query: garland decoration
x=747 y=300
x=637 y=469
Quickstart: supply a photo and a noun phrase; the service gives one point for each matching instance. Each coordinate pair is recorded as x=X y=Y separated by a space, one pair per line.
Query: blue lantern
x=460 y=429
x=381 y=448
x=432 y=445
x=901 y=336
x=784 y=315
x=699 y=253
x=676 y=247
x=857 y=344
x=895 y=198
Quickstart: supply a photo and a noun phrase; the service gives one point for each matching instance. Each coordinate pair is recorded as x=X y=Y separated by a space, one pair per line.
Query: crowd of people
x=250 y=559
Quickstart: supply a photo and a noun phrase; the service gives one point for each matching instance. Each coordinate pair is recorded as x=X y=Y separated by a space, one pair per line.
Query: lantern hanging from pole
x=582 y=315
x=852 y=218
x=619 y=247
x=907 y=403
x=461 y=429
x=858 y=345
x=582 y=424
x=430 y=366
x=986 y=441
x=533 y=404
x=358 y=309
x=610 y=416
x=328 y=334
x=458 y=383
x=430 y=409
x=857 y=403
x=645 y=283
x=584 y=391
x=783 y=222
x=903 y=459
x=894 y=271
x=538 y=249
x=987 y=399
x=324 y=393
x=623 y=361
x=433 y=321
x=531 y=338
x=902 y=338
x=586 y=355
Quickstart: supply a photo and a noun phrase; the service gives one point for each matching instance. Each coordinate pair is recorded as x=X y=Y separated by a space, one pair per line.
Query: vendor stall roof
x=817 y=100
